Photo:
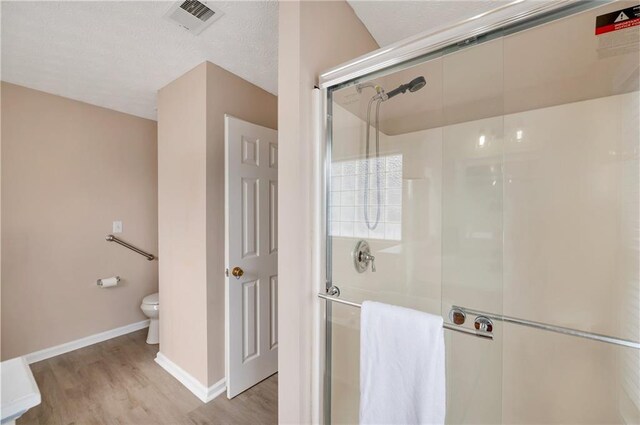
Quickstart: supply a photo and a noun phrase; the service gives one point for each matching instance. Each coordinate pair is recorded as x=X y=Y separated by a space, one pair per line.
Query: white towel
x=402 y=366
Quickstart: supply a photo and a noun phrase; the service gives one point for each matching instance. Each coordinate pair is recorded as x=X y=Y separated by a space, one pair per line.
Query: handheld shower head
x=413 y=86
x=417 y=83
x=380 y=96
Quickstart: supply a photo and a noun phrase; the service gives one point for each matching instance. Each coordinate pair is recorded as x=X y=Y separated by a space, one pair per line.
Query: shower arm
x=380 y=93
x=360 y=87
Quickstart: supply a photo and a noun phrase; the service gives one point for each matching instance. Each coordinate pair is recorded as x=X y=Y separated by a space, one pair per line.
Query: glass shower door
x=570 y=208
x=411 y=200
x=510 y=185
x=472 y=233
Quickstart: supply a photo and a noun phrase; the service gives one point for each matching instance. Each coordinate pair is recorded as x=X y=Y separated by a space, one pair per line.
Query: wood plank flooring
x=117 y=382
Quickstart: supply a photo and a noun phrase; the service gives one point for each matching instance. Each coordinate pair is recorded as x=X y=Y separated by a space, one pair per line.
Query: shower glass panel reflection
x=508 y=183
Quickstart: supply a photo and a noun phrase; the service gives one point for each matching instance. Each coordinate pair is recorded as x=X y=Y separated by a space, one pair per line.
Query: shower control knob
x=362 y=257
x=371 y=258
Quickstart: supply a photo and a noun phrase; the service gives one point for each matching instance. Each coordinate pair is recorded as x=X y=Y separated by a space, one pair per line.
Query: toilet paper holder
x=100 y=282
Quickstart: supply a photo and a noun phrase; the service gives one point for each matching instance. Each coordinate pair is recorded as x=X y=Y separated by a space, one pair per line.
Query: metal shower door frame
x=517 y=15
x=512 y=14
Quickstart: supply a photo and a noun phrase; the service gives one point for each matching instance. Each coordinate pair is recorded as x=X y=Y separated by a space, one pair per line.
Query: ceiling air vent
x=193 y=15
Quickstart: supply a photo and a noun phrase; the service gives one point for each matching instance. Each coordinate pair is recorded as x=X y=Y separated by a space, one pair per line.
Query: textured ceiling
x=118 y=54
x=391 y=21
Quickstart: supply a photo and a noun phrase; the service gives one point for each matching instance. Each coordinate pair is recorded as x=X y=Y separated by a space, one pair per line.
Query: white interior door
x=251 y=211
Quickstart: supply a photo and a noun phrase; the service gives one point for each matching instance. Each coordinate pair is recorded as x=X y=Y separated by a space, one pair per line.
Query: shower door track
x=516 y=321
x=506 y=17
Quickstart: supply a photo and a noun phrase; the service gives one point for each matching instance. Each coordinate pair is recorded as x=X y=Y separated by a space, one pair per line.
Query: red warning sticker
x=619 y=20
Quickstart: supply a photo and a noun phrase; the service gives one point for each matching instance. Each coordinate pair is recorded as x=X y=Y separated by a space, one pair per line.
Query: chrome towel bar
x=552 y=328
x=479 y=334
x=514 y=320
x=111 y=238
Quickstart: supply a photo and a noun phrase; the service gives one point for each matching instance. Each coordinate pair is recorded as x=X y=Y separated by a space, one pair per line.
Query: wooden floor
x=118 y=382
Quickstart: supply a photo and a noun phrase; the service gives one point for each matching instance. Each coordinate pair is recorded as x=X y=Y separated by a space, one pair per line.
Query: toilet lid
x=151 y=299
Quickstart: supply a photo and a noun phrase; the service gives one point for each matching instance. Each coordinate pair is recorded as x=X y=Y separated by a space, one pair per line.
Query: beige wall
x=191 y=210
x=313 y=36
x=68 y=170
x=182 y=221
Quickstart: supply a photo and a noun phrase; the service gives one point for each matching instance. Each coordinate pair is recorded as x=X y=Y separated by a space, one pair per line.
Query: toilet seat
x=152 y=299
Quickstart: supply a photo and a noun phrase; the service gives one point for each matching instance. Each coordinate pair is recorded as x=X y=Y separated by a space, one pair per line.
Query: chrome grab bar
x=479 y=333
x=111 y=238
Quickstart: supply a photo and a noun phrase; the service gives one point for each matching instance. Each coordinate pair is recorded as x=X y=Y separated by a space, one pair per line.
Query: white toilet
x=151 y=308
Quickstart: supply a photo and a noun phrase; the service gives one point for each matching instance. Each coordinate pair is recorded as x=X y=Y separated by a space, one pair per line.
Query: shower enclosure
x=503 y=194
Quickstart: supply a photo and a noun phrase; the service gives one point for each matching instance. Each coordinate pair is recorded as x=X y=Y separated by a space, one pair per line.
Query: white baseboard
x=203 y=393
x=83 y=342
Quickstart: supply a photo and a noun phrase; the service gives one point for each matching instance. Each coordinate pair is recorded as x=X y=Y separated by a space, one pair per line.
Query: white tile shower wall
x=628 y=316
x=600 y=160
x=571 y=259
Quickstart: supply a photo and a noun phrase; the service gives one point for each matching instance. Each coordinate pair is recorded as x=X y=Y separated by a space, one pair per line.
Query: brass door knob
x=237 y=272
